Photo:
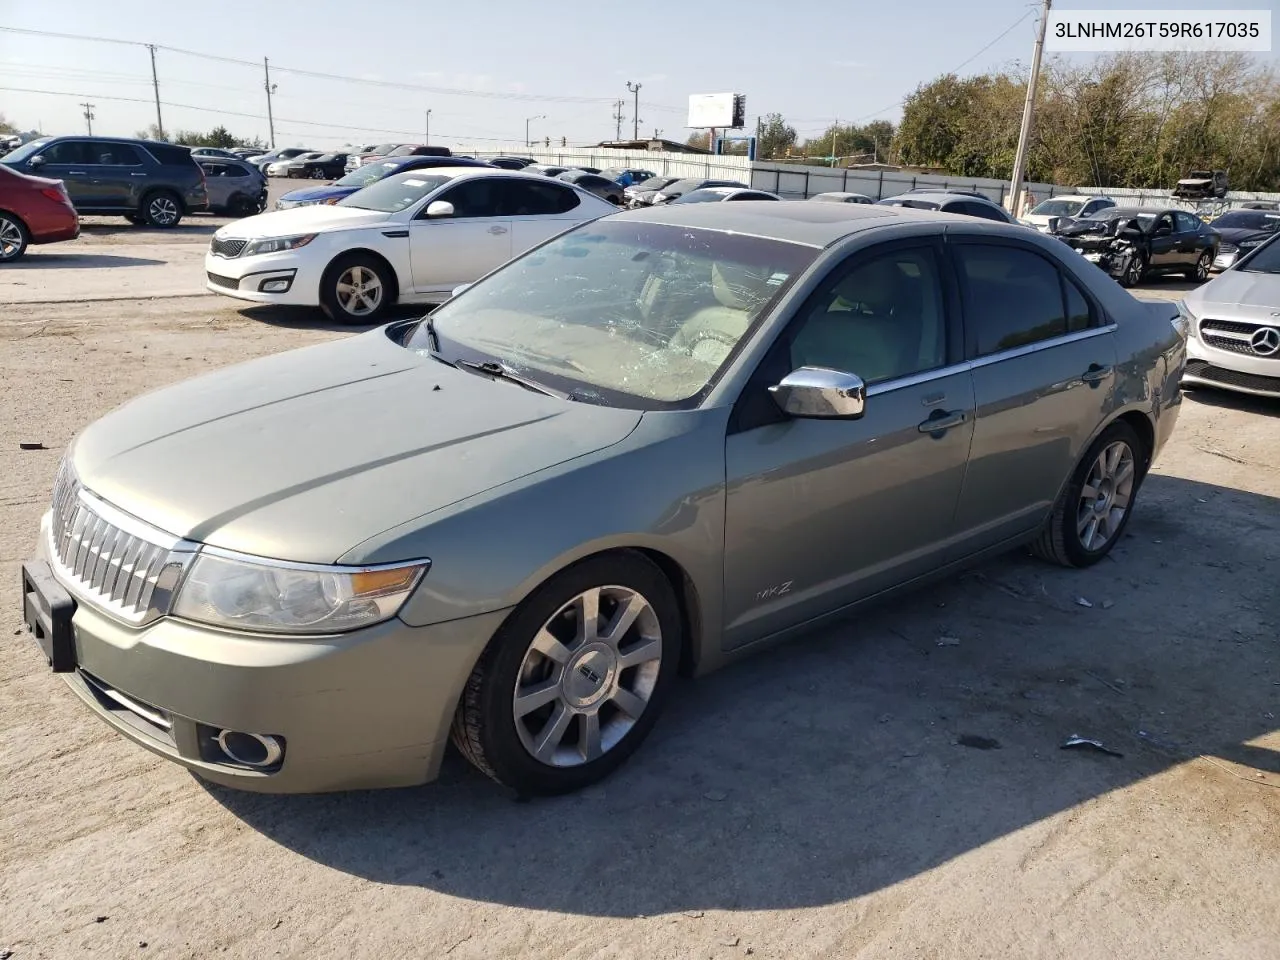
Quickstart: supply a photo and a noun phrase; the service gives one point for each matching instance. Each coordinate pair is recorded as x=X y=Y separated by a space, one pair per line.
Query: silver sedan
x=656 y=442
x=1235 y=326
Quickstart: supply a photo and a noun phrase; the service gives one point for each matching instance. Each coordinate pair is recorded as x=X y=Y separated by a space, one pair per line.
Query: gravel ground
x=863 y=792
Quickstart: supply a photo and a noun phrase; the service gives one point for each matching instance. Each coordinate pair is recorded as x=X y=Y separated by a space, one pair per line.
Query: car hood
x=1256 y=293
x=284 y=223
x=1238 y=235
x=307 y=194
x=306 y=454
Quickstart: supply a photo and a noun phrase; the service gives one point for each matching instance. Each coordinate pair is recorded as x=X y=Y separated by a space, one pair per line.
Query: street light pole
x=1028 y=110
x=527 y=142
x=635 y=129
x=426 y=137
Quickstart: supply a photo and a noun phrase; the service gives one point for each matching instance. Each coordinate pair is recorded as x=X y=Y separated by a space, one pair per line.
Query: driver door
x=1164 y=243
x=461 y=248
x=824 y=512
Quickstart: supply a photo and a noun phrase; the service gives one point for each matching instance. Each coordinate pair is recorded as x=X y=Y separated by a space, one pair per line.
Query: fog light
x=274 y=286
x=251 y=749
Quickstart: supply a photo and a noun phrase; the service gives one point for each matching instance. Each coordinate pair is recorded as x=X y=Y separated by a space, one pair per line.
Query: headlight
x=276 y=244
x=231 y=591
x=1185 y=322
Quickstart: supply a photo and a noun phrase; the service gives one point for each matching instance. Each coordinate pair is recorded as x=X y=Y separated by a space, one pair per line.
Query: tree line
x=1124 y=120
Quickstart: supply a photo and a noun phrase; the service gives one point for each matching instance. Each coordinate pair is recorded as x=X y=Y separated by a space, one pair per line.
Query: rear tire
x=14 y=237
x=357 y=289
x=554 y=705
x=1094 y=508
x=162 y=209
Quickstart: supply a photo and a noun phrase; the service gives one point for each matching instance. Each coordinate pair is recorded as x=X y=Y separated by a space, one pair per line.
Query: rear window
x=169 y=154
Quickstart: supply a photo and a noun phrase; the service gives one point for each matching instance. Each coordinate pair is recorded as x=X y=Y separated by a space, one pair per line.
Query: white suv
x=1066 y=206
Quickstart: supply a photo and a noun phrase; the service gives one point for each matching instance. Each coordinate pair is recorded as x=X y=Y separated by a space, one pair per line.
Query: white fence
x=796 y=182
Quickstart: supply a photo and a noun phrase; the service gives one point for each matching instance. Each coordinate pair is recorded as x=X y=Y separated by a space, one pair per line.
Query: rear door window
x=1013 y=297
x=116 y=155
x=532 y=199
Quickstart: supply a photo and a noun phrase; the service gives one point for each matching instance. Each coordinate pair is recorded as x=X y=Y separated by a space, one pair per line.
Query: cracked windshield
x=621 y=310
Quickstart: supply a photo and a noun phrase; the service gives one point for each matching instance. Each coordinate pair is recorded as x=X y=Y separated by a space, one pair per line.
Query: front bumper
x=1225 y=259
x=1211 y=367
x=361 y=710
x=244 y=277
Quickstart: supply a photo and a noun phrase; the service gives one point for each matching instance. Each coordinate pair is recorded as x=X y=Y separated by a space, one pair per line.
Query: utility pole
x=635 y=130
x=617 y=119
x=759 y=134
x=426 y=137
x=1028 y=110
x=834 y=127
x=88 y=116
x=270 y=88
x=155 y=85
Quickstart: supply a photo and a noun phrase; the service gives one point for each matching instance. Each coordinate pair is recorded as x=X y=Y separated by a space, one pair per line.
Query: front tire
x=1094 y=509
x=1134 y=270
x=575 y=678
x=162 y=209
x=356 y=289
x=13 y=238
x=1200 y=272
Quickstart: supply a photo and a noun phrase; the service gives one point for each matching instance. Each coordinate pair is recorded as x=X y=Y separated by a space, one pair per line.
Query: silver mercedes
x=1235 y=326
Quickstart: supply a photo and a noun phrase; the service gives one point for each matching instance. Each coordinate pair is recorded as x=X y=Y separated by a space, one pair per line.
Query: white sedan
x=411 y=238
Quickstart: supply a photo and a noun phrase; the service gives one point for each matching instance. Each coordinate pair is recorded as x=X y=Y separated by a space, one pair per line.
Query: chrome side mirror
x=439 y=208
x=35 y=163
x=821 y=392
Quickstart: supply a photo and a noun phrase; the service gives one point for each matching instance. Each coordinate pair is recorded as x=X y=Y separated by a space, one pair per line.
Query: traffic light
x=546 y=141
x=564 y=141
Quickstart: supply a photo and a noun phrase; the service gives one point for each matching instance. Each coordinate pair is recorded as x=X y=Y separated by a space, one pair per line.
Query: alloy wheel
x=1202 y=267
x=588 y=676
x=10 y=239
x=359 y=291
x=162 y=211
x=1134 y=270
x=1106 y=496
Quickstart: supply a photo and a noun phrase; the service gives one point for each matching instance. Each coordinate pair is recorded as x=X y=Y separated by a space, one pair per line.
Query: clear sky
x=813 y=62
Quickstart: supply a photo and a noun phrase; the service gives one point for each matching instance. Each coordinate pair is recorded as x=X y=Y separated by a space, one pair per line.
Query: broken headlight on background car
x=229 y=590
x=276 y=244
x=1185 y=321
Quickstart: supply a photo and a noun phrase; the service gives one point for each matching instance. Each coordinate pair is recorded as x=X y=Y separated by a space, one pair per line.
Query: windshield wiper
x=500 y=371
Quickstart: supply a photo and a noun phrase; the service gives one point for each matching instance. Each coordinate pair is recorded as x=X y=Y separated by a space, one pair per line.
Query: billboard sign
x=726 y=110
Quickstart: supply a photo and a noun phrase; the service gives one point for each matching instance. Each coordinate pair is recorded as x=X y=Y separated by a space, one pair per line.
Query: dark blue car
x=362 y=176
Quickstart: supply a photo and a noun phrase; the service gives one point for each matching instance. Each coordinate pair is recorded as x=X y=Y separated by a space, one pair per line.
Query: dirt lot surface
x=868 y=791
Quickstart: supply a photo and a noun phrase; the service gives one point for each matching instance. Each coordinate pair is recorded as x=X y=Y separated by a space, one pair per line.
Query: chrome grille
x=1234 y=335
x=226 y=248
x=111 y=559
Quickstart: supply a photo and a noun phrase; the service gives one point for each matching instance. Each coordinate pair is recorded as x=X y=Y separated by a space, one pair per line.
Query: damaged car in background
x=1242 y=231
x=1131 y=243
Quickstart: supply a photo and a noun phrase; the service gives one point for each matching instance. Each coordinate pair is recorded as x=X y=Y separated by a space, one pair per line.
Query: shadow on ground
x=186 y=230
x=49 y=260
x=313 y=318
x=1231 y=400
x=837 y=765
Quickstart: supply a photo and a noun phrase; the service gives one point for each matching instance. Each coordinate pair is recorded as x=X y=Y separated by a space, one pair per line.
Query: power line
x=258 y=116
x=315 y=74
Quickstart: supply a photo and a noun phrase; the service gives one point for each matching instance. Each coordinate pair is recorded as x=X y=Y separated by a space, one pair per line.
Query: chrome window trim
x=915 y=379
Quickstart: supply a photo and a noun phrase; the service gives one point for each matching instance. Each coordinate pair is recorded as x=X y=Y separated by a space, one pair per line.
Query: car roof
x=944 y=196
x=814 y=224
x=1077 y=196
x=460 y=173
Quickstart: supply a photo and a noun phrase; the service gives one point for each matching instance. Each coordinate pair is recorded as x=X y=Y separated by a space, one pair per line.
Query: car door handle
x=942 y=420
x=137 y=174
x=496 y=231
x=75 y=173
x=1096 y=373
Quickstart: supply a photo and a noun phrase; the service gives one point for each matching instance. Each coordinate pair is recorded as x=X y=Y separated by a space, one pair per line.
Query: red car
x=33 y=210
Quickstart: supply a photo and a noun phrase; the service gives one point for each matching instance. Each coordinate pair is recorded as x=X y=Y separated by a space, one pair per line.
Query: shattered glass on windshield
x=620 y=311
